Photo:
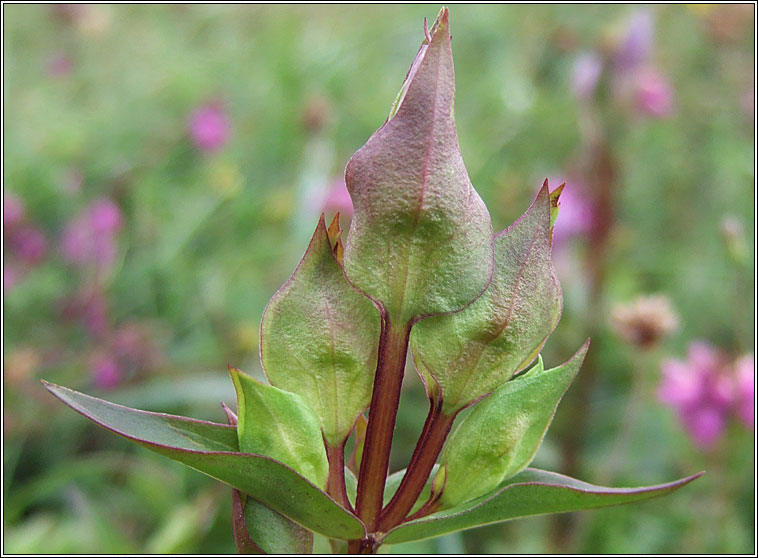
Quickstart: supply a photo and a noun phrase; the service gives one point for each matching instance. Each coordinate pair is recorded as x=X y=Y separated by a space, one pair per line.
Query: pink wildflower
x=209 y=127
x=89 y=239
x=587 y=69
x=654 y=94
x=105 y=371
x=637 y=44
x=28 y=244
x=705 y=390
x=13 y=211
x=745 y=388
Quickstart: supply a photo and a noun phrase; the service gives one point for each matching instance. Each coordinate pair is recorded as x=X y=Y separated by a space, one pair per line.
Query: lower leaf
x=531 y=492
x=212 y=449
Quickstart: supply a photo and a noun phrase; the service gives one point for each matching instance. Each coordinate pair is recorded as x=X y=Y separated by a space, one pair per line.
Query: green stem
x=390 y=367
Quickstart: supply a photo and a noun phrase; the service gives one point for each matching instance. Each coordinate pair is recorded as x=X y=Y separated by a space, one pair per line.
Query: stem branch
x=430 y=444
x=390 y=367
x=335 y=484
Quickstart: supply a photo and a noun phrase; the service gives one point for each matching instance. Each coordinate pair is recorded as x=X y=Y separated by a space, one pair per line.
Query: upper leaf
x=212 y=449
x=464 y=356
x=531 y=492
x=503 y=433
x=420 y=242
x=281 y=425
x=319 y=337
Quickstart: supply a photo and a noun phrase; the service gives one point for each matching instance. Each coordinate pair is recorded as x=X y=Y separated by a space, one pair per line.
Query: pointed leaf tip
x=413 y=197
x=320 y=337
x=470 y=353
x=531 y=492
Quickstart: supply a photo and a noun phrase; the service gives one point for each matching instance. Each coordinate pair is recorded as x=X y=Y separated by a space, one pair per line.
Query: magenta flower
x=637 y=44
x=13 y=211
x=654 y=94
x=90 y=238
x=745 y=384
x=28 y=244
x=586 y=72
x=11 y=277
x=90 y=307
x=705 y=390
x=209 y=127
x=106 y=372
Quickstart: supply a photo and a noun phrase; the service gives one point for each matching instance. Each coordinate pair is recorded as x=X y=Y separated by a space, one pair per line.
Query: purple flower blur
x=654 y=94
x=637 y=81
x=637 y=44
x=28 y=244
x=90 y=238
x=13 y=211
x=105 y=371
x=745 y=370
x=25 y=243
x=587 y=69
x=705 y=390
x=209 y=127
x=338 y=199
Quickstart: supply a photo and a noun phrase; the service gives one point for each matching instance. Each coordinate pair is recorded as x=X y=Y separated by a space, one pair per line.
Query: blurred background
x=164 y=167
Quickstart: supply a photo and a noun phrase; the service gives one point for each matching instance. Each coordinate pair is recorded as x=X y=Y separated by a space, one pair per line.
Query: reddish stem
x=390 y=367
x=335 y=484
x=429 y=446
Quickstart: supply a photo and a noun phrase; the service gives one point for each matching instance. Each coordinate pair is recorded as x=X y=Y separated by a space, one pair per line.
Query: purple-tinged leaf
x=531 y=492
x=465 y=356
x=242 y=539
x=420 y=242
x=274 y=533
x=319 y=337
x=212 y=449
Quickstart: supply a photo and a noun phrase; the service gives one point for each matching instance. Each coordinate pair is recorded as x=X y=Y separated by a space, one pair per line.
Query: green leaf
x=274 y=533
x=465 y=356
x=503 y=433
x=258 y=529
x=319 y=338
x=420 y=242
x=212 y=449
x=281 y=425
x=531 y=492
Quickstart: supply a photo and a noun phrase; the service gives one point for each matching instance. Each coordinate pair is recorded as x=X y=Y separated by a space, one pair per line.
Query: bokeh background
x=164 y=167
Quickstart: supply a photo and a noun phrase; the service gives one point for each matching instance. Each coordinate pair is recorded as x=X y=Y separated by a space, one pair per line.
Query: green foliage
x=319 y=338
x=208 y=448
x=420 y=241
x=209 y=236
x=280 y=425
x=503 y=433
x=531 y=492
x=466 y=355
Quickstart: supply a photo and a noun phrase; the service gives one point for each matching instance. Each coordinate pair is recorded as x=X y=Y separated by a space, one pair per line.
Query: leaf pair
x=464 y=356
x=212 y=449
